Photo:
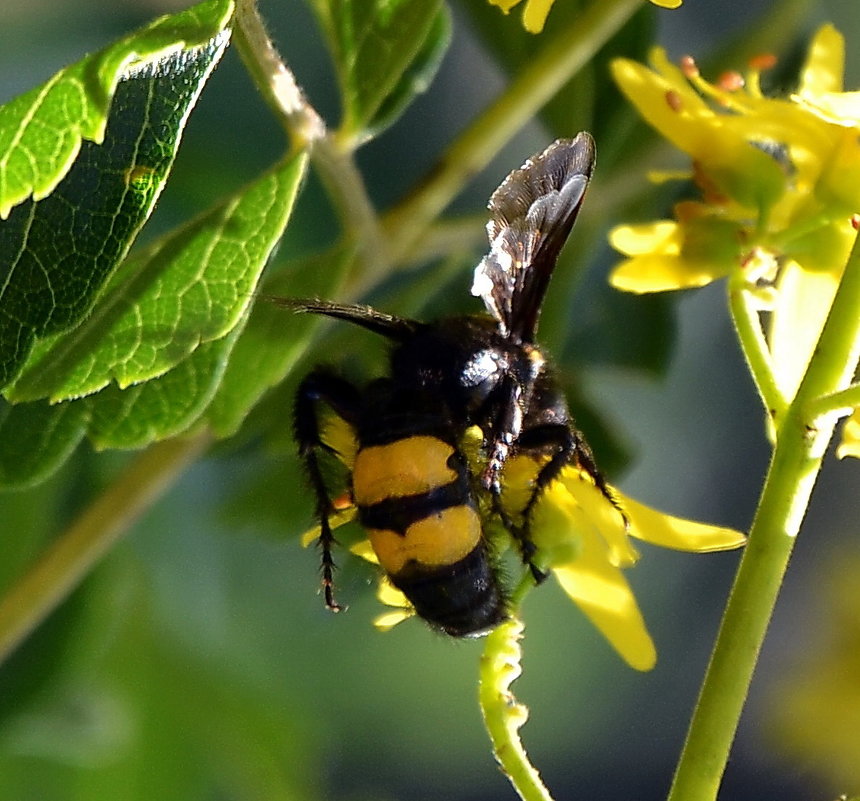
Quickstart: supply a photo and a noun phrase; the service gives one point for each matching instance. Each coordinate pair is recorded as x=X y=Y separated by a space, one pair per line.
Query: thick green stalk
x=530 y=90
x=800 y=446
x=65 y=563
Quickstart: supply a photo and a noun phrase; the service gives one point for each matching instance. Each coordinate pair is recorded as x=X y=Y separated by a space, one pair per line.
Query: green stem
x=307 y=130
x=754 y=346
x=800 y=446
x=273 y=77
x=74 y=553
x=840 y=403
x=503 y=715
x=535 y=85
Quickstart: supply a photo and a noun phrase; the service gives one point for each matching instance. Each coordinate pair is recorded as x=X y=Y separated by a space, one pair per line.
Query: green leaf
x=274 y=339
x=177 y=316
x=384 y=52
x=161 y=408
x=56 y=253
x=416 y=78
x=191 y=287
x=41 y=131
x=36 y=438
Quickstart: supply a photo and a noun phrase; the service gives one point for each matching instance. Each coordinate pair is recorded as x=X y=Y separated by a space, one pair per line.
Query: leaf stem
x=274 y=78
x=800 y=446
x=532 y=88
x=65 y=563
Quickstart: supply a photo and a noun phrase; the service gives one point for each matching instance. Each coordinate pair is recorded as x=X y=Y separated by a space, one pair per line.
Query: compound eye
x=482 y=372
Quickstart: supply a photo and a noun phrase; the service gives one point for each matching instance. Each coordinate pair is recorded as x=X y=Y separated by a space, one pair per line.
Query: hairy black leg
x=505 y=423
x=343 y=398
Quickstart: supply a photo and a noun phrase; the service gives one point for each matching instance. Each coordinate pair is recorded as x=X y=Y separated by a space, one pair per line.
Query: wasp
x=426 y=506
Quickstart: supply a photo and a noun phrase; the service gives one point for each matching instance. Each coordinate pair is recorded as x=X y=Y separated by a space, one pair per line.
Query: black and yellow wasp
x=425 y=505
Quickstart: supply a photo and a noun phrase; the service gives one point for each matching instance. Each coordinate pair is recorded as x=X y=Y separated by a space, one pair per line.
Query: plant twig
x=503 y=714
x=754 y=347
x=307 y=130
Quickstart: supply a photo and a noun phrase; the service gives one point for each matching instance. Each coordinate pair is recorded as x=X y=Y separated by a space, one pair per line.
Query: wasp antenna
x=386 y=325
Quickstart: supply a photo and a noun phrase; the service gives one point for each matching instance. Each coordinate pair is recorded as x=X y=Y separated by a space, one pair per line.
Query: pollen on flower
x=763 y=61
x=855 y=222
x=673 y=100
x=731 y=81
x=760 y=265
x=343 y=501
x=689 y=67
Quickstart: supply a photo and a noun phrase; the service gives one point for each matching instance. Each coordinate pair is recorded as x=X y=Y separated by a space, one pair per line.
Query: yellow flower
x=584 y=541
x=586 y=544
x=536 y=11
x=779 y=181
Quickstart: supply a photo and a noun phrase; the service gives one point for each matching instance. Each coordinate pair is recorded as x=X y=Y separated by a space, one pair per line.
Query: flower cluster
x=779 y=191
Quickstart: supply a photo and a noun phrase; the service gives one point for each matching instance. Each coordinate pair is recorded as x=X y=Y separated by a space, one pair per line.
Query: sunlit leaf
x=384 y=52
x=58 y=250
x=189 y=288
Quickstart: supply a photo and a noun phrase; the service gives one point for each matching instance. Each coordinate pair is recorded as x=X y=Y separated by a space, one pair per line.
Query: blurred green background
x=197 y=661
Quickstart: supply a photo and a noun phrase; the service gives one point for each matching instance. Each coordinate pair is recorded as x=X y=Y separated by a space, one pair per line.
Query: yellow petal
x=666 y=101
x=364 y=550
x=388 y=594
x=850 y=444
x=649 y=525
x=662 y=236
x=337 y=434
x=665 y=176
x=605 y=597
x=595 y=514
x=825 y=63
x=388 y=620
x=839 y=108
x=504 y=5
x=661 y=273
x=391 y=596
x=670 y=255
x=802 y=303
x=535 y=14
x=667 y=3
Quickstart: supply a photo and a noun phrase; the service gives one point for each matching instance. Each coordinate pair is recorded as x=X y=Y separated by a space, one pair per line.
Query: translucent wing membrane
x=532 y=213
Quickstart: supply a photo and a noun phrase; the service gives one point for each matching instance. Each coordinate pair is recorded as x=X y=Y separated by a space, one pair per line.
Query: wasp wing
x=532 y=213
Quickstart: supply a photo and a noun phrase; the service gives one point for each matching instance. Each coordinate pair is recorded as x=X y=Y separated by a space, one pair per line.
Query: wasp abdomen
x=415 y=501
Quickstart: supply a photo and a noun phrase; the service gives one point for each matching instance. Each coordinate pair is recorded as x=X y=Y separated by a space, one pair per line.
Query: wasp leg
x=565 y=446
x=504 y=420
x=343 y=398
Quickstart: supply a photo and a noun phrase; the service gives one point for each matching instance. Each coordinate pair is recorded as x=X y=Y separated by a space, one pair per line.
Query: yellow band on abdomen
x=409 y=466
x=442 y=538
